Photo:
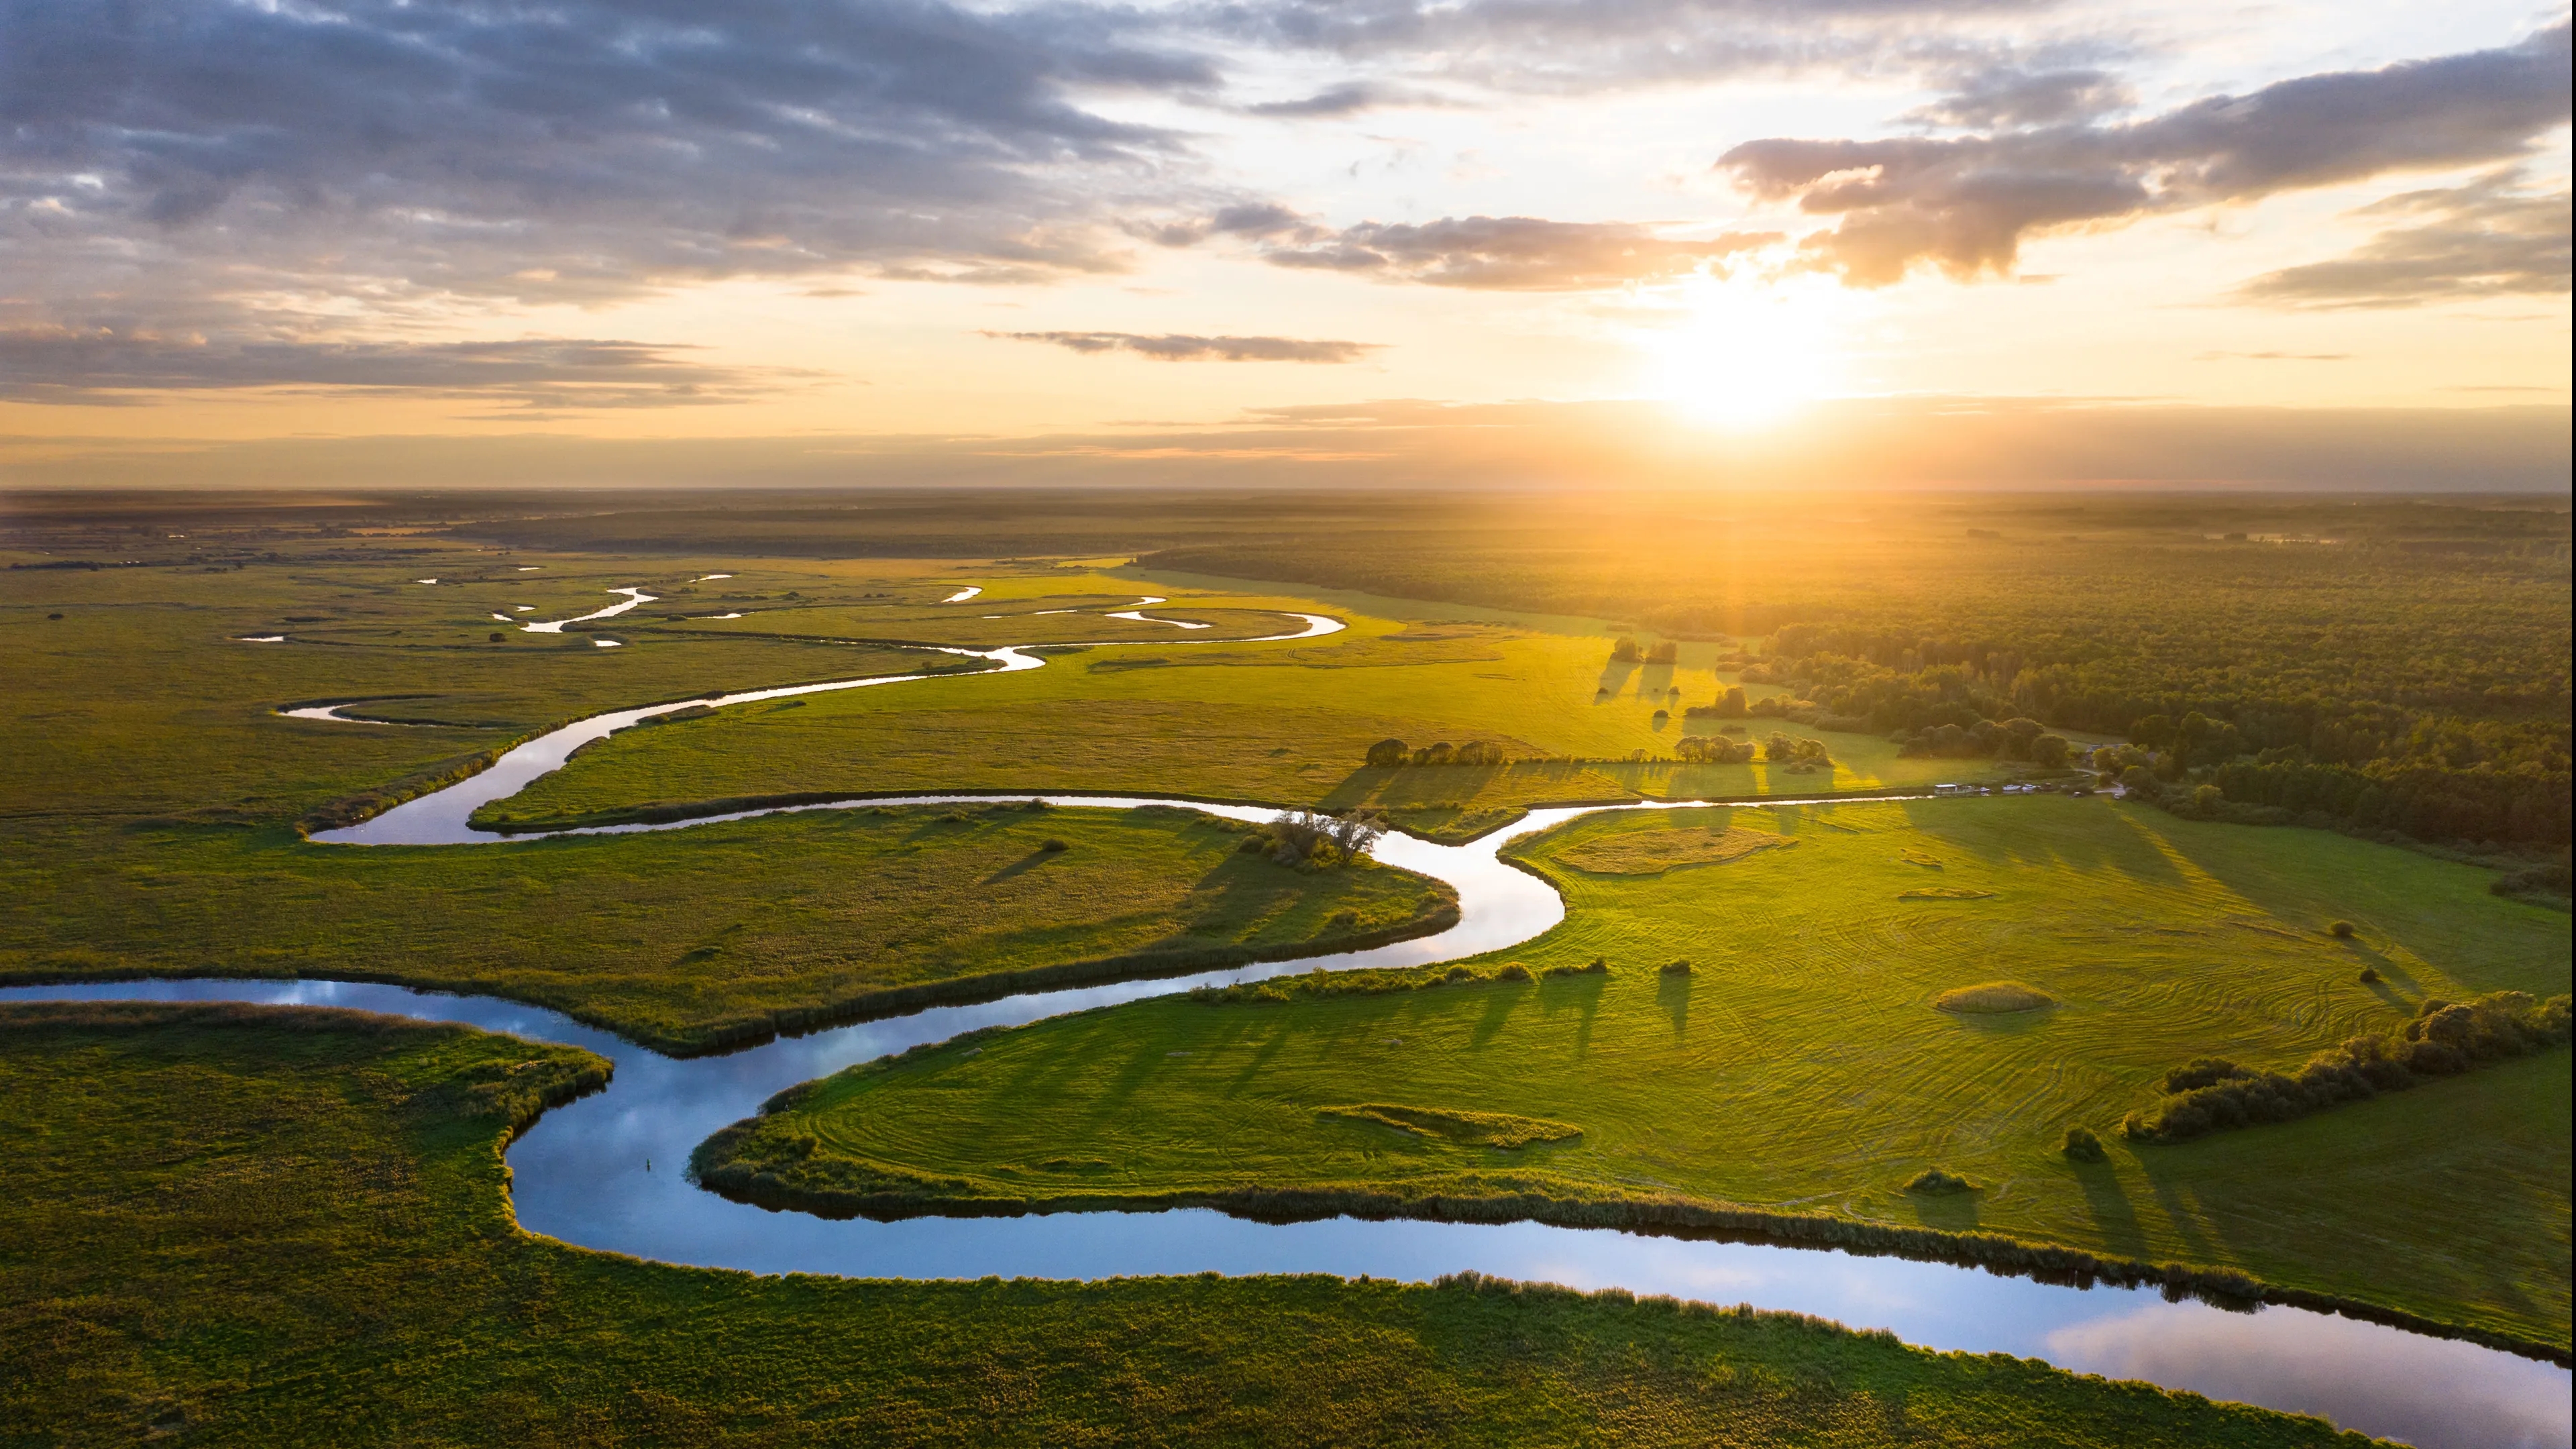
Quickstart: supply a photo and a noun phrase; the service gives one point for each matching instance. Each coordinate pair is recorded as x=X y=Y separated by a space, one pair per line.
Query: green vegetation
x=1992 y=998
x=2384 y=665
x=1933 y=1182
x=1473 y=1129
x=1794 y=1079
x=719 y=934
x=2444 y=1040
x=282 y=1227
x=1652 y=852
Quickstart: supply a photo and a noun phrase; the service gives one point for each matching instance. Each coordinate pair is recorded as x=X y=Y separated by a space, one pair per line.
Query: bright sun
x=1746 y=355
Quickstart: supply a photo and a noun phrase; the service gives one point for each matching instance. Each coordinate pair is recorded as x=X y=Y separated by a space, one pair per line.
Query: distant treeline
x=2405 y=667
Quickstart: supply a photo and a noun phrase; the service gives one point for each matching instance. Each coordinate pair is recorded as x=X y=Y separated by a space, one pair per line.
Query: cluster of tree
x=1388 y=754
x=1713 y=750
x=2444 y=1039
x=1729 y=704
x=2012 y=739
x=1314 y=839
x=1626 y=652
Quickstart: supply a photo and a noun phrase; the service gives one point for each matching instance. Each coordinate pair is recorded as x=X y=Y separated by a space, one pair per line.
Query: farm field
x=282 y=1227
x=1801 y=1065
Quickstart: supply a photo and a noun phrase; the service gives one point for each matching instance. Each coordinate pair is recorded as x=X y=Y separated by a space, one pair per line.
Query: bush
x=2370 y=976
x=2445 y=1039
x=2340 y=930
x=1388 y=753
x=496 y=635
x=1678 y=966
x=1310 y=837
x=1051 y=845
x=1933 y=1182
x=1513 y=972
x=2083 y=1146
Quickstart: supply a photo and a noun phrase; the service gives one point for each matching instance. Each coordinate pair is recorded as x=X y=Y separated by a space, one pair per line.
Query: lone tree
x=1389 y=752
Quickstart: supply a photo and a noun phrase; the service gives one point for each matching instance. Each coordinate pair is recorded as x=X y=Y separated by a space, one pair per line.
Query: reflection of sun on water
x=1746 y=355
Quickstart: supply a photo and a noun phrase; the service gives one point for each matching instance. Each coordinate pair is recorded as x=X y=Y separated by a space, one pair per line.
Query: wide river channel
x=606 y=1172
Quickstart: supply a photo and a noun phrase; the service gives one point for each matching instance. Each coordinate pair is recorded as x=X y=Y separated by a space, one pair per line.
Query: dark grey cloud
x=1581 y=45
x=1504 y=253
x=1965 y=203
x=1347 y=99
x=2487 y=239
x=1180 y=347
x=577 y=148
x=106 y=367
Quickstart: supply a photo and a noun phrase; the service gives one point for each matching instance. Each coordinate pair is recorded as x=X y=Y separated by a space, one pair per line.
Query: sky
x=1249 y=239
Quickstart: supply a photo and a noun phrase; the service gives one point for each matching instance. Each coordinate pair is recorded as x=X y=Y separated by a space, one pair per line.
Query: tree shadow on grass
x=1028 y=862
x=1954 y=1212
x=1672 y=993
x=1500 y=999
x=2114 y=1216
x=1579 y=994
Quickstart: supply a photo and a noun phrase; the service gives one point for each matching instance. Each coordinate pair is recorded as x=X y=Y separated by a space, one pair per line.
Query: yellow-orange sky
x=863 y=220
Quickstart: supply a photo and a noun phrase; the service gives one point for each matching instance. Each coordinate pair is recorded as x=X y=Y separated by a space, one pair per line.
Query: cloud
x=105 y=367
x=577 y=150
x=1178 y=347
x=1510 y=253
x=1964 y=204
x=2006 y=98
x=1568 y=46
x=2487 y=239
x=1348 y=99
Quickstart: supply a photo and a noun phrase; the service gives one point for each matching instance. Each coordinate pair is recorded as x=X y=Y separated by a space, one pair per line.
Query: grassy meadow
x=286 y=1227
x=715 y=935
x=1801 y=1064
x=1287 y=722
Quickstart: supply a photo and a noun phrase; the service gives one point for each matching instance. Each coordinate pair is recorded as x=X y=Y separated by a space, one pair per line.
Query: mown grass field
x=1801 y=1065
x=236 y=1226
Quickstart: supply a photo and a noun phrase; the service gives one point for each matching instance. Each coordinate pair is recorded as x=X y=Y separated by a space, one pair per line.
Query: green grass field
x=716 y=934
x=1282 y=723
x=1802 y=1066
x=273 y=1228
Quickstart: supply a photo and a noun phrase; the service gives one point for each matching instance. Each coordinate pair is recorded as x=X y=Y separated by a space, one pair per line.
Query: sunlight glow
x=1750 y=354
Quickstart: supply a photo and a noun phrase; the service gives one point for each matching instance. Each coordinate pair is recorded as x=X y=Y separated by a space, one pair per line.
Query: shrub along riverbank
x=265 y=1227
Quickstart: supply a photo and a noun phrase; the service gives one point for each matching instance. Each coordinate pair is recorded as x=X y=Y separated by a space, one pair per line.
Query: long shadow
x=1615 y=676
x=2113 y=1214
x=1500 y=1000
x=1672 y=993
x=1029 y=862
x=1950 y=1212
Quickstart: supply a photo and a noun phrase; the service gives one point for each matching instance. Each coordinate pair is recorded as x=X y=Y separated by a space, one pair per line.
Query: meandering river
x=606 y=1172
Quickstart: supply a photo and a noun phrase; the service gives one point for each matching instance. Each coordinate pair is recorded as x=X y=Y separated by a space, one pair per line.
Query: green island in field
x=283 y=1227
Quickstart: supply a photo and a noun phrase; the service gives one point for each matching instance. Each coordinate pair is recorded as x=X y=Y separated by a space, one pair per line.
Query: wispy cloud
x=1498 y=253
x=2491 y=238
x=105 y=367
x=1180 y=347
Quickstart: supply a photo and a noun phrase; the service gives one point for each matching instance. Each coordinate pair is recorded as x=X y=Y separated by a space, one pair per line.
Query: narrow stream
x=606 y=1172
